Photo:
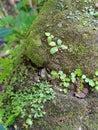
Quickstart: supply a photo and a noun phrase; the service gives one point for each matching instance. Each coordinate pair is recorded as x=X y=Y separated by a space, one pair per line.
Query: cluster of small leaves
x=8 y=64
x=54 y=45
x=15 y=104
x=84 y=79
x=65 y=81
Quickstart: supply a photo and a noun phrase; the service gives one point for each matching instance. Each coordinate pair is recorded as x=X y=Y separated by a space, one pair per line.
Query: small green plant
x=64 y=80
x=9 y=63
x=76 y=76
x=93 y=83
x=17 y=99
x=54 y=45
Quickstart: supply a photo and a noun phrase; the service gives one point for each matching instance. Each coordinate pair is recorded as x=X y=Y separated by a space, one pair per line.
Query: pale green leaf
x=59 y=41
x=83 y=76
x=91 y=83
x=65 y=84
x=64 y=47
x=49 y=39
x=52 y=44
x=54 y=74
x=47 y=34
x=53 y=50
x=65 y=91
x=29 y=121
x=87 y=80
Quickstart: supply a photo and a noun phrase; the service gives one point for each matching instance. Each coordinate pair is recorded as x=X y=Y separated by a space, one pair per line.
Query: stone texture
x=75 y=26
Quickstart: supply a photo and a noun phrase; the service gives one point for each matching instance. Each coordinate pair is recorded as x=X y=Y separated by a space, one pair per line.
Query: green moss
x=36 y=52
x=73 y=33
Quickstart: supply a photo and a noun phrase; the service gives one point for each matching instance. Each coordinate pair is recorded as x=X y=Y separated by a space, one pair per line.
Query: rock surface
x=75 y=23
x=68 y=113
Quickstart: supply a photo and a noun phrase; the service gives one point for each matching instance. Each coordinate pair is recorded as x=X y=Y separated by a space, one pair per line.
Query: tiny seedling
x=54 y=45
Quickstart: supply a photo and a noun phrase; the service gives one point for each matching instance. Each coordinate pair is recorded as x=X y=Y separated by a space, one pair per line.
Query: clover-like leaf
x=53 y=50
x=54 y=74
x=62 y=77
x=78 y=72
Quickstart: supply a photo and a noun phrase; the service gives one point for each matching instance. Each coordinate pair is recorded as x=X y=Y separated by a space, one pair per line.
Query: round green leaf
x=87 y=80
x=53 y=50
x=59 y=41
x=52 y=44
x=49 y=39
x=83 y=76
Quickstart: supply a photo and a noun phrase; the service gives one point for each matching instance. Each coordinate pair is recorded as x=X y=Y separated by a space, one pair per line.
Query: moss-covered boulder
x=76 y=24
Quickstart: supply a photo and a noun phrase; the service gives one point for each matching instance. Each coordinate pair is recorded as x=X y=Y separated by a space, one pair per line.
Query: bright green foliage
x=9 y=63
x=53 y=50
x=77 y=74
x=64 y=80
x=55 y=45
x=54 y=74
x=16 y=103
x=17 y=27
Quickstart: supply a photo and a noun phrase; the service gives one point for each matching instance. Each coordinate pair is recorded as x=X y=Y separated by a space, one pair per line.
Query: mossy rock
x=72 y=22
